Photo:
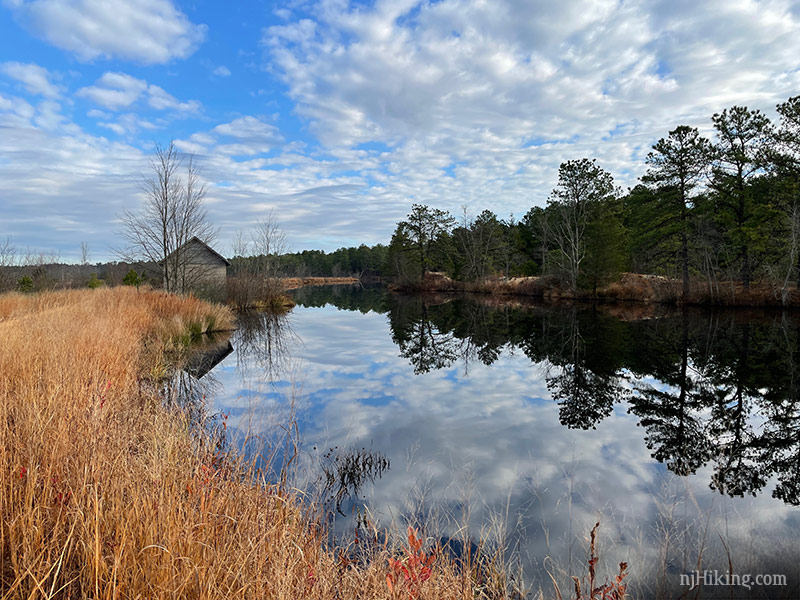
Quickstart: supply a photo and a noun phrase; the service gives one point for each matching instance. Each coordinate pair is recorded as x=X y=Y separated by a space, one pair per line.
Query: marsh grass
x=106 y=492
x=629 y=288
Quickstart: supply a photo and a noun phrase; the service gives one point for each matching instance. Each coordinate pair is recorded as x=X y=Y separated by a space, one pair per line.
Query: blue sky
x=338 y=115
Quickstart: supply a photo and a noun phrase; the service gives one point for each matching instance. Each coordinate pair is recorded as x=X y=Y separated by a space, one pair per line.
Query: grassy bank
x=631 y=287
x=292 y=283
x=105 y=493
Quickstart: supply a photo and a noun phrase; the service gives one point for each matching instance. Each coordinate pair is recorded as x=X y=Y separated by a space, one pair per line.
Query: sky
x=336 y=116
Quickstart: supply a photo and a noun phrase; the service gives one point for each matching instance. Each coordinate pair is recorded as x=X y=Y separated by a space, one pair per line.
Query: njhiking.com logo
x=713 y=578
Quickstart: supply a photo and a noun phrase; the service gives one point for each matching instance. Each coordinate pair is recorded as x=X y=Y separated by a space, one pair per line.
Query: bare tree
x=478 y=241
x=240 y=245
x=581 y=185
x=269 y=243
x=258 y=274
x=173 y=213
x=84 y=253
x=8 y=255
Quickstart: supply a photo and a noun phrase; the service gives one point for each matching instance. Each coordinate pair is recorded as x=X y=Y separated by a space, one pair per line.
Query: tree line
x=720 y=215
x=360 y=261
x=713 y=213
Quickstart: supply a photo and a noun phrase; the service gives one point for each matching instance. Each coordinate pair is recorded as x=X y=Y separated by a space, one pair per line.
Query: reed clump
x=107 y=493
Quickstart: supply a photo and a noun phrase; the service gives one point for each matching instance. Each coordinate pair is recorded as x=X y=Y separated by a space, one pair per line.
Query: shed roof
x=197 y=240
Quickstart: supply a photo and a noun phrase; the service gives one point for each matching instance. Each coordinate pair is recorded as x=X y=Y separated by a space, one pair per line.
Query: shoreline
x=293 y=283
x=631 y=288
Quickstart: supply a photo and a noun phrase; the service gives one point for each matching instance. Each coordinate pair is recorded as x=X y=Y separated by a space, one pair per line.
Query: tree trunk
x=684 y=255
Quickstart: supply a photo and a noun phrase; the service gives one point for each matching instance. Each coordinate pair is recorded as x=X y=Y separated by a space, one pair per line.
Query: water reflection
x=535 y=421
x=716 y=388
x=346 y=471
x=263 y=342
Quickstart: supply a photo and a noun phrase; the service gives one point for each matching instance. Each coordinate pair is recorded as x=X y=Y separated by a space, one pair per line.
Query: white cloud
x=493 y=431
x=119 y=90
x=500 y=93
x=114 y=90
x=97 y=114
x=34 y=78
x=49 y=117
x=249 y=129
x=161 y=100
x=250 y=135
x=457 y=102
x=15 y=112
x=67 y=176
x=128 y=124
x=147 y=31
x=221 y=71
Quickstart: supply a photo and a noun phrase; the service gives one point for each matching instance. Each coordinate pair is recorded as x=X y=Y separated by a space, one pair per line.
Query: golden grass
x=292 y=283
x=105 y=493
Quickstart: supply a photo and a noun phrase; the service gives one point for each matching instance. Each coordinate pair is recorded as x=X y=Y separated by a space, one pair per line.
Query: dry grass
x=105 y=493
x=643 y=288
x=292 y=283
x=631 y=287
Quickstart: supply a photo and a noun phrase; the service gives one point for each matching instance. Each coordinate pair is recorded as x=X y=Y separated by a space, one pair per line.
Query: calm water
x=679 y=432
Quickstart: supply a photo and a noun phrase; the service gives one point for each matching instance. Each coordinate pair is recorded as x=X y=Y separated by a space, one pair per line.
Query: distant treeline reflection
x=714 y=388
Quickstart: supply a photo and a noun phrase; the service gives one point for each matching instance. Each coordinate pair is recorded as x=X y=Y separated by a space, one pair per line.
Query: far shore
x=631 y=287
x=292 y=283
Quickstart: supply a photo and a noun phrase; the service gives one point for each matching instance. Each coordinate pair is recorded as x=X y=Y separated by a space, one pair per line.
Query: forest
x=716 y=216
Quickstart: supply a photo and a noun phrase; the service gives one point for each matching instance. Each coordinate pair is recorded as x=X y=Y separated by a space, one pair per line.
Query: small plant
x=610 y=591
x=195 y=331
x=346 y=472
x=406 y=575
x=94 y=282
x=132 y=278
x=25 y=284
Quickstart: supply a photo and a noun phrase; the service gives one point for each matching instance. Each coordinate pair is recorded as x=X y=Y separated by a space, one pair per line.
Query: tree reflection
x=424 y=344
x=589 y=382
x=718 y=389
x=710 y=389
x=263 y=340
x=672 y=414
x=780 y=445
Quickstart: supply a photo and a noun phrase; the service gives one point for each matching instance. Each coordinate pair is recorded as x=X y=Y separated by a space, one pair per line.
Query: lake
x=525 y=424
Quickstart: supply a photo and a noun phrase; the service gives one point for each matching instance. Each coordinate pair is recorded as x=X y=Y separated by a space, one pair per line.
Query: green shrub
x=25 y=284
x=132 y=278
x=94 y=282
x=195 y=329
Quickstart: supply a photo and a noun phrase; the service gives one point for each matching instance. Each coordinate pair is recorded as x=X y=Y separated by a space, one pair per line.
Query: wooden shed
x=196 y=267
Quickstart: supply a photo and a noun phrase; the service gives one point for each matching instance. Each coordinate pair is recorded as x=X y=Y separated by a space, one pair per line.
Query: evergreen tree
x=743 y=139
x=417 y=237
x=676 y=165
x=606 y=245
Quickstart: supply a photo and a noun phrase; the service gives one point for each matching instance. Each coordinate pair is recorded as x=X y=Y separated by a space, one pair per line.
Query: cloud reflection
x=484 y=445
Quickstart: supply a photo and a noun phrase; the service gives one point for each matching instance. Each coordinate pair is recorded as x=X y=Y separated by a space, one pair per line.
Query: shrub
x=94 y=282
x=25 y=284
x=132 y=278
